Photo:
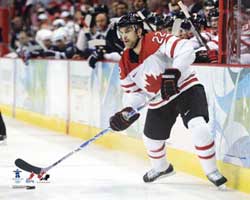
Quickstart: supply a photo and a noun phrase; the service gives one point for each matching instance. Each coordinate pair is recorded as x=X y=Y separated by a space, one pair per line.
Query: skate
x=152 y=175
x=217 y=179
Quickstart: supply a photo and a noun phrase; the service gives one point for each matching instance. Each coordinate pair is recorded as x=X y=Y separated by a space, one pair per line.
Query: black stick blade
x=27 y=167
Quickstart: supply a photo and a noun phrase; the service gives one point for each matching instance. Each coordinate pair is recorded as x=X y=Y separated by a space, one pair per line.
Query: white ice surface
x=93 y=173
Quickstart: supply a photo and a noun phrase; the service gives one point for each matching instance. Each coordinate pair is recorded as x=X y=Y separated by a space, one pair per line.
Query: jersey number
x=159 y=37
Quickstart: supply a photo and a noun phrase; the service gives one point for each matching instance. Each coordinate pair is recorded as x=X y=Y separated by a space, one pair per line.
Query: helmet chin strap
x=136 y=43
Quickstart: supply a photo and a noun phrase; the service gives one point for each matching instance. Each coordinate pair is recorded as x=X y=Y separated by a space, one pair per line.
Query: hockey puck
x=46 y=177
x=30 y=187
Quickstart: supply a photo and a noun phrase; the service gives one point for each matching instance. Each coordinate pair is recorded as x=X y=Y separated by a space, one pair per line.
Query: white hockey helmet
x=59 y=34
x=44 y=34
x=58 y=23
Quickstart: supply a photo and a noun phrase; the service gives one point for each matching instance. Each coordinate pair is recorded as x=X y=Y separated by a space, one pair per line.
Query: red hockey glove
x=120 y=121
x=169 y=82
x=212 y=56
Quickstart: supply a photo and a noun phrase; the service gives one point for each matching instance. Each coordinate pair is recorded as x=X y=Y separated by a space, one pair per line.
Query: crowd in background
x=85 y=29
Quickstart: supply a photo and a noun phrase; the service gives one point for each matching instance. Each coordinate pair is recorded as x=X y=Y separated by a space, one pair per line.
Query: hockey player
x=44 y=38
x=159 y=63
x=210 y=37
x=26 y=46
x=2 y=129
x=61 y=48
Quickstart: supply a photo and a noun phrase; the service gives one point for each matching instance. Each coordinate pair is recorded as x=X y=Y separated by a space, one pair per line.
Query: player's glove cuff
x=121 y=120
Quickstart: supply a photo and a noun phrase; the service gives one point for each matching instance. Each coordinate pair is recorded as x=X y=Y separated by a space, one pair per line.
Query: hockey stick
x=41 y=171
x=139 y=13
x=195 y=30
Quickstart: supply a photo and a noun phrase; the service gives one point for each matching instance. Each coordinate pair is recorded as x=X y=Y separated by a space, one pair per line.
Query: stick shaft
x=91 y=140
x=86 y=143
x=144 y=20
x=196 y=32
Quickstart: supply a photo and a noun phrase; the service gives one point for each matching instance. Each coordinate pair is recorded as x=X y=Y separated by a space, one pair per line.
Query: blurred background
x=78 y=29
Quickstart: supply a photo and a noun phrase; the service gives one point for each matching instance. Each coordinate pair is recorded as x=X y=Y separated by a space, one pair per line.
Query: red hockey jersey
x=159 y=51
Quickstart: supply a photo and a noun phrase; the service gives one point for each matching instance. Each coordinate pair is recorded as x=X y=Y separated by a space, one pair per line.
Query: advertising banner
x=31 y=85
x=94 y=92
x=80 y=93
x=72 y=91
x=229 y=105
x=56 y=86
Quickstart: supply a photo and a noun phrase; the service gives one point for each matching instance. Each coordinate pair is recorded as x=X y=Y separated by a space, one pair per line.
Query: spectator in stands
x=139 y=5
x=44 y=38
x=194 y=6
x=102 y=24
x=58 y=23
x=101 y=27
x=23 y=40
x=53 y=9
x=62 y=48
x=43 y=21
x=114 y=8
x=121 y=8
x=16 y=27
x=19 y=7
x=71 y=26
x=158 y=6
x=106 y=32
x=173 y=6
x=85 y=35
x=25 y=46
x=100 y=38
